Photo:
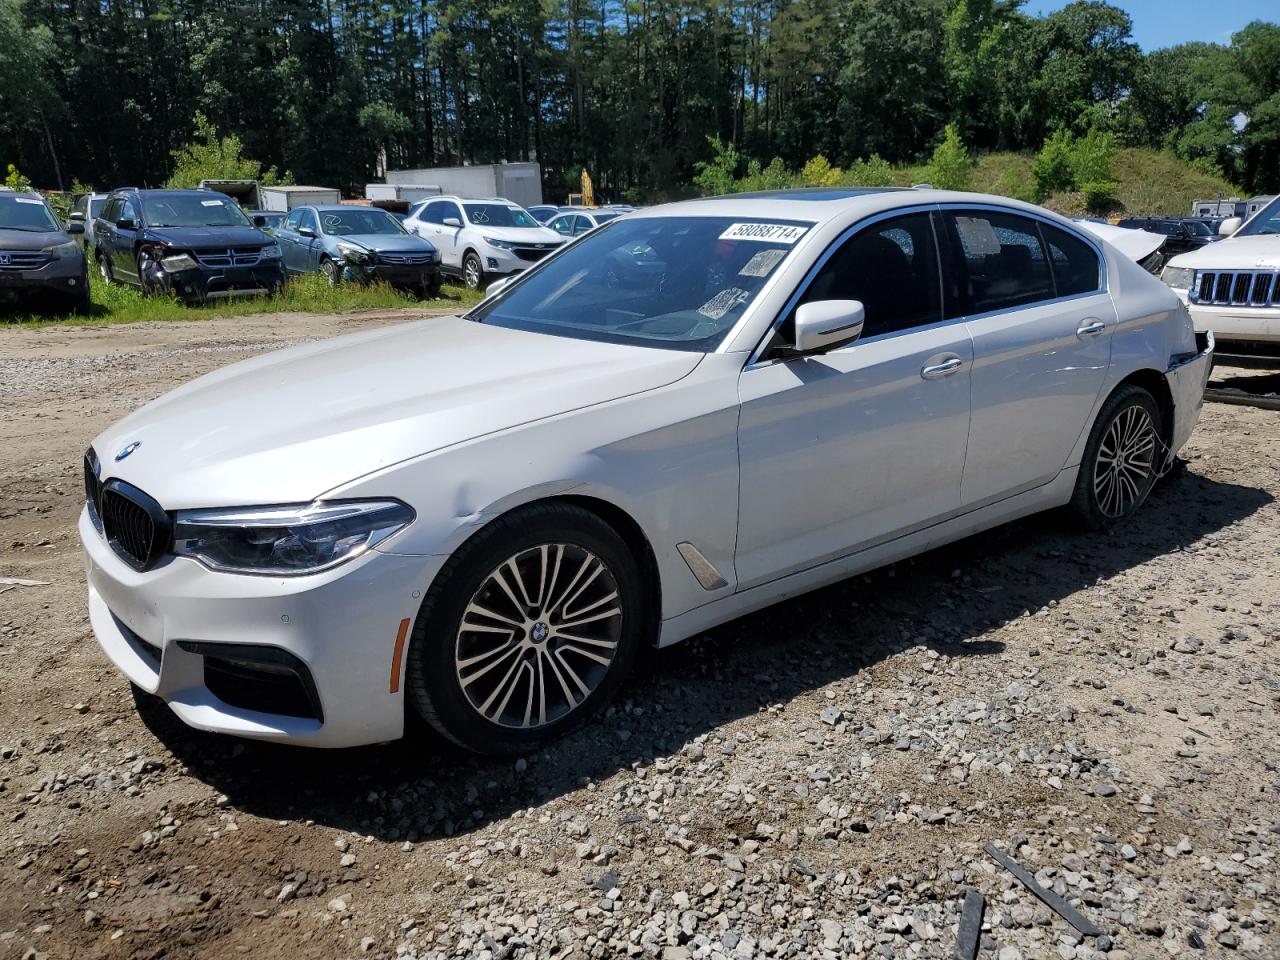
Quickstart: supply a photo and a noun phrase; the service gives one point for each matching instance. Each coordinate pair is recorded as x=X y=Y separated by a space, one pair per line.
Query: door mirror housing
x=75 y=226
x=306 y=232
x=452 y=222
x=1229 y=226
x=127 y=223
x=498 y=286
x=826 y=324
x=77 y=215
x=259 y=221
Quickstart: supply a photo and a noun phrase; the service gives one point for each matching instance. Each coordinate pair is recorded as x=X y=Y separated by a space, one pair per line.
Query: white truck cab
x=1233 y=288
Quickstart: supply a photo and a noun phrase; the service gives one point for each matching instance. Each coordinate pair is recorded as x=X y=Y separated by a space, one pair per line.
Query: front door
x=846 y=449
x=1041 y=322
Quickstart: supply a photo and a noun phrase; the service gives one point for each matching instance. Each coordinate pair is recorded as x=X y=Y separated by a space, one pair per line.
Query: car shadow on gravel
x=949 y=600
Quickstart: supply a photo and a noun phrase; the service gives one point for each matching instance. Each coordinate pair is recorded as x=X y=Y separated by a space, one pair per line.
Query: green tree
x=951 y=164
x=718 y=175
x=211 y=157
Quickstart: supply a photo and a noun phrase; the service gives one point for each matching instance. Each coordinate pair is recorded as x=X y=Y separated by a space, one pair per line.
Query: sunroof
x=815 y=193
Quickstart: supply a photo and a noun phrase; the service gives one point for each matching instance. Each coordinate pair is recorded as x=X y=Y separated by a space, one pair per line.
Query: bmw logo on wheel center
x=128 y=450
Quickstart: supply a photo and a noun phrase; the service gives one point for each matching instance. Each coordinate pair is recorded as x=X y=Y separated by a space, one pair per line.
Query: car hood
x=381 y=242
x=205 y=238
x=25 y=240
x=524 y=236
x=1234 y=253
x=290 y=425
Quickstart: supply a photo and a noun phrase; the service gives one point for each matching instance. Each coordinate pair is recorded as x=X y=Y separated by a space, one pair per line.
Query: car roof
x=820 y=204
x=23 y=194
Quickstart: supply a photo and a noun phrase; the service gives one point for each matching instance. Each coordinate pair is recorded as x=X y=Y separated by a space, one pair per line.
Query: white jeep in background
x=1233 y=288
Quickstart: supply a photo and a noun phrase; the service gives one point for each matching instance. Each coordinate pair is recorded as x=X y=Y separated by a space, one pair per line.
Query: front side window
x=1266 y=221
x=891 y=267
x=562 y=225
x=308 y=219
x=678 y=283
x=1000 y=259
x=128 y=212
x=498 y=215
x=193 y=210
x=292 y=221
x=28 y=214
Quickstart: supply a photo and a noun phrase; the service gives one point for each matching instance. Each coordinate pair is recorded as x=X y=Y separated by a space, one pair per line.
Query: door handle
x=944 y=368
x=1091 y=329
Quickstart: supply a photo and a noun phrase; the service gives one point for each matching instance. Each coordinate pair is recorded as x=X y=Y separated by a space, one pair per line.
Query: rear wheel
x=472 y=271
x=1122 y=459
x=104 y=269
x=531 y=626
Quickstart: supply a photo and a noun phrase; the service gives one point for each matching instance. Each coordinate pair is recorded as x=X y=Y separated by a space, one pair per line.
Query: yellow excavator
x=587 y=197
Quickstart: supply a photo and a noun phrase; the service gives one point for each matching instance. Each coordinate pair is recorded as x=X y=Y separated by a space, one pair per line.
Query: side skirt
x=1053 y=494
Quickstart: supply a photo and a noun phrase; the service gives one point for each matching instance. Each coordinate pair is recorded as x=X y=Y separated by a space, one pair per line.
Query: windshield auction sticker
x=764 y=232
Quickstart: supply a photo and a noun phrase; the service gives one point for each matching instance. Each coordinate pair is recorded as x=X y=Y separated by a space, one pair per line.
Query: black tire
x=104 y=269
x=332 y=272
x=472 y=271
x=432 y=288
x=1100 y=512
x=80 y=300
x=434 y=687
x=146 y=259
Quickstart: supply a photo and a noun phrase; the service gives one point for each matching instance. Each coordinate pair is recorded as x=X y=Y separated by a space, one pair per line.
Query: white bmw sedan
x=692 y=412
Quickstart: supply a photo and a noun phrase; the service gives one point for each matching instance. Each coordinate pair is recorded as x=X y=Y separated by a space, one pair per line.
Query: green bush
x=951 y=163
x=1085 y=164
x=869 y=172
x=819 y=172
x=210 y=157
x=716 y=177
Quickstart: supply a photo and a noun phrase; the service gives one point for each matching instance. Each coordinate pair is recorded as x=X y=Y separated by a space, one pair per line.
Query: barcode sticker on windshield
x=34 y=203
x=764 y=232
x=210 y=203
x=762 y=263
x=723 y=302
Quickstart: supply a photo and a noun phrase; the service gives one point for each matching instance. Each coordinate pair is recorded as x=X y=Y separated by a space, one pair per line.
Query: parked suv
x=193 y=244
x=1233 y=289
x=85 y=210
x=1184 y=235
x=481 y=238
x=37 y=256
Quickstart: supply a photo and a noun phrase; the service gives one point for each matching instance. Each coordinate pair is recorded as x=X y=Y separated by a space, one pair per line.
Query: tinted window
x=26 y=213
x=562 y=225
x=1000 y=260
x=435 y=212
x=1075 y=264
x=892 y=268
x=292 y=220
x=308 y=219
x=95 y=207
x=128 y=211
x=112 y=210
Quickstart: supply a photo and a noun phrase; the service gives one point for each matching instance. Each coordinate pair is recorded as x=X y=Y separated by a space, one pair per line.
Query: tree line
x=642 y=93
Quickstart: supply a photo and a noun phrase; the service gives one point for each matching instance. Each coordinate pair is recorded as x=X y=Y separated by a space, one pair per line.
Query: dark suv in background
x=194 y=244
x=38 y=257
x=1185 y=234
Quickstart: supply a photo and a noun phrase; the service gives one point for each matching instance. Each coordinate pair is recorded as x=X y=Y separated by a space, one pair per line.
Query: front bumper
x=1186 y=377
x=413 y=276
x=160 y=627
x=216 y=283
x=1258 y=324
x=505 y=262
x=65 y=276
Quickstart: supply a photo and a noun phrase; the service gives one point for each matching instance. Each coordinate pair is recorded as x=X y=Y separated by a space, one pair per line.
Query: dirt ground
x=817 y=780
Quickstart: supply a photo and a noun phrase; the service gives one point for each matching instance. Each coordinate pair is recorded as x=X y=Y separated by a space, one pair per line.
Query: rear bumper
x=1186 y=377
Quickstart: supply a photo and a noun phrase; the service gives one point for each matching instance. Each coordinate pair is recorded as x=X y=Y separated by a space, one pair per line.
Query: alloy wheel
x=472 y=273
x=1125 y=465
x=538 y=636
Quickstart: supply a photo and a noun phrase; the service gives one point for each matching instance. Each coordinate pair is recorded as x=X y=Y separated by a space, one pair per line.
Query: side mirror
x=75 y=226
x=127 y=223
x=824 y=324
x=306 y=232
x=498 y=286
x=259 y=221
x=452 y=222
x=1230 y=226
x=77 y=215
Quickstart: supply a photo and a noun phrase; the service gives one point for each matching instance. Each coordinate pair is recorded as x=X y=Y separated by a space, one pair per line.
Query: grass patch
x=306 y=294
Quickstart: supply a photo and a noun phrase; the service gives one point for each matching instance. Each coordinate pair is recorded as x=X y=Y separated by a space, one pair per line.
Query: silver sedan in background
x=481 y=519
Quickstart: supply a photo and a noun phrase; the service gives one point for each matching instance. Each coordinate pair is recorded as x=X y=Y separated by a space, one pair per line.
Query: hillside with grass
x=1147 y=182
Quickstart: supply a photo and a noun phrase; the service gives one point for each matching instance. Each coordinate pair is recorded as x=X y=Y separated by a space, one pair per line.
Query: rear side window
x=1076 y=268
x=892 y=268
x=1001 y=261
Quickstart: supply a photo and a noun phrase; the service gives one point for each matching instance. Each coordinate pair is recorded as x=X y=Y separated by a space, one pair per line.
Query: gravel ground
x=816 y=780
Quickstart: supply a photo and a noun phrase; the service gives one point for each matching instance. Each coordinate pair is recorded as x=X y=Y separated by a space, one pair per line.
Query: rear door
x=123 y=239
x=1034 y=299
x=287 y=236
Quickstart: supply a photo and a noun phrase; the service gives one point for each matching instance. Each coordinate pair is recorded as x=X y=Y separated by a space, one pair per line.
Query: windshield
x=679 y=283
x=26 y=213
x=95 y=207
x=1267 y=221
x=359 y=222
x=192 y=210
x=1198 y=228
x=498 y=215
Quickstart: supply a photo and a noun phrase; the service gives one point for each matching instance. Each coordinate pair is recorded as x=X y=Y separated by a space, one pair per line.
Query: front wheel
x=472 y=271
x=1122 y=460
x=530 y=627
x=332 y=272
x=150 y=273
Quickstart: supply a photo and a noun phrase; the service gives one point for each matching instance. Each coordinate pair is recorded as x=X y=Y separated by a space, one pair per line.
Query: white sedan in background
x=683 y=416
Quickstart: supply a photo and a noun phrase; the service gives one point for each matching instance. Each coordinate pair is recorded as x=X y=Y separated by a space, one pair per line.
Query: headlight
x=1180 y=278
x=500 y=244
x=178 y=263
x=271 y=251
x=71 y=249
x=289 y=540
x=349 y=252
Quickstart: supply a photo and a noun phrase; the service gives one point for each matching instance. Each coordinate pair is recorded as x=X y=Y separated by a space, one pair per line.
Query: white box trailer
x=518 y=182
x=243 y=192
x=284 y=199
x=406 y=193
